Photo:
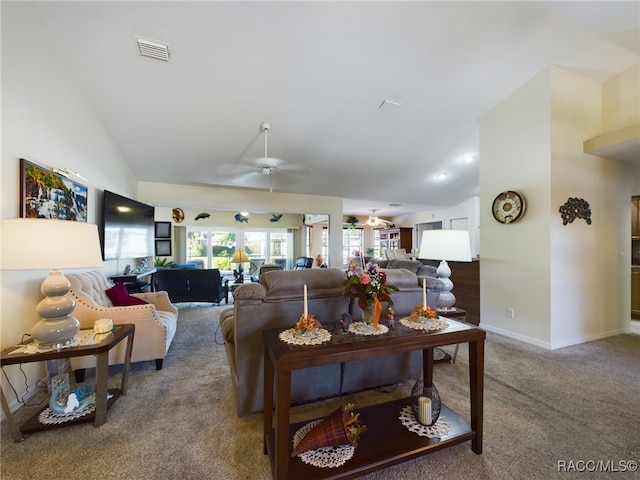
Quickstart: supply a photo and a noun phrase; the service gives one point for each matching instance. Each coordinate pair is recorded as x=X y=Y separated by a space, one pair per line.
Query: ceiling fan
x=258 y=172
x=374 y=221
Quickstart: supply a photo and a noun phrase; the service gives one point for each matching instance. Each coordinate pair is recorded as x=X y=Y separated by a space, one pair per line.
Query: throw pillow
x=119 y=296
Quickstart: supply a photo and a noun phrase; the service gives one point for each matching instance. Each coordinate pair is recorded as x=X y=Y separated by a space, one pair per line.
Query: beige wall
x=567 y=284
x=621 y=101
x=234 y=200
x=514 y=259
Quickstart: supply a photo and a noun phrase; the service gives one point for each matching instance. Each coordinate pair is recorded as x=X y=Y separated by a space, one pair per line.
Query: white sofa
x=155 y=322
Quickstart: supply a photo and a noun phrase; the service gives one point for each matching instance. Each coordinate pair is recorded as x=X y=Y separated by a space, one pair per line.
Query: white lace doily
x=49 y=417
x=325 y=457
x=432 y=325
x=440 y=428
x=316 y=337
x=361 y=328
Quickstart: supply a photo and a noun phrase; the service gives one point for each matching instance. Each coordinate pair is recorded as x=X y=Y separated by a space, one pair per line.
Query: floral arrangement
x=422 y=312
x=307 y=324
x=368 y=283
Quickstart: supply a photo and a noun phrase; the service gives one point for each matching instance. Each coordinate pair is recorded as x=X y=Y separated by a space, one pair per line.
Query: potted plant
x=163 y=262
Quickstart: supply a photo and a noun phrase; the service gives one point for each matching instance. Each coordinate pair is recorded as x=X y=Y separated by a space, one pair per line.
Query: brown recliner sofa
x=277 y=302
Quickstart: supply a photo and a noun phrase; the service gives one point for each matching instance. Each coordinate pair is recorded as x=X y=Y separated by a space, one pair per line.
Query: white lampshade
x=451 y=245
x=42 y=244
x=443 y=245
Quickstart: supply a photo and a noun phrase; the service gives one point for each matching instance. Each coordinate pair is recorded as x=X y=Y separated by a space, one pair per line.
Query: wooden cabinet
x=396 y=238
x=635 y=217
x=466 y=287
x=635 y=293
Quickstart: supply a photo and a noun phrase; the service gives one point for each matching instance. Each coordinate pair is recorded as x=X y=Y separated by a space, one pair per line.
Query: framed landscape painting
x=45 y=194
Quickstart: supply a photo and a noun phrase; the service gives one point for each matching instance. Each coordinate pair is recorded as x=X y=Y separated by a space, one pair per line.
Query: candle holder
x=431 y=392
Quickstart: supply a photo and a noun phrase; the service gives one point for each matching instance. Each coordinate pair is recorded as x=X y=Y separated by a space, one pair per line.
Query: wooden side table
x=374 y=451
x=16 y=355
x=454 y=313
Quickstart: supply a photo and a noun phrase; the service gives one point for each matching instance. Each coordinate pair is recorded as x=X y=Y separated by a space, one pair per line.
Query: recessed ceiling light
x=442 y=176
x=467 y=158
x=389 y=104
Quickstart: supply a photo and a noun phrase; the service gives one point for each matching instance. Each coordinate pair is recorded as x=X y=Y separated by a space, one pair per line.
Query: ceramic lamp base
x=57 y=327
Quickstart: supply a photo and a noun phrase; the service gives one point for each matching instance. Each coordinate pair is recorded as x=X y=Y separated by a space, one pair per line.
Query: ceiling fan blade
x=294 y=168
x=236 y=169
x=251 y=179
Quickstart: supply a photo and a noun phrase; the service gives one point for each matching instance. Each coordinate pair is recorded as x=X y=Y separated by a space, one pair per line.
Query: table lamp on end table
x=443 y=245
x=47 y=244
x=240 y=257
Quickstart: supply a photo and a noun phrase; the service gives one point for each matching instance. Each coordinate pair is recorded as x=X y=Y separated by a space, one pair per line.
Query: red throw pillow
x=119 y=296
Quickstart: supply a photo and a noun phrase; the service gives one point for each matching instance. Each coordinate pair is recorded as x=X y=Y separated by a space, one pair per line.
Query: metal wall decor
x=177 y=215
x=575 y=208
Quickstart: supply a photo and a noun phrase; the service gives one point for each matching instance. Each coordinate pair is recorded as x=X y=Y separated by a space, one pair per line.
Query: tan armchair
x=155 y=322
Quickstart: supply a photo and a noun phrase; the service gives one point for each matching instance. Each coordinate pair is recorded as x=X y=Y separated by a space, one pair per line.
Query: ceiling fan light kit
x=374 y=221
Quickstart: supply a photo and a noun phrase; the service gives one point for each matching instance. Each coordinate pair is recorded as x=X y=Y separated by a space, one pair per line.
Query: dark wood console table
x=100 y=350
x=387 y=442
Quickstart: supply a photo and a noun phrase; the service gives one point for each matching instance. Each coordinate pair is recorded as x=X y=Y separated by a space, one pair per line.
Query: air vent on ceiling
x=389 y=104
x=152 y=48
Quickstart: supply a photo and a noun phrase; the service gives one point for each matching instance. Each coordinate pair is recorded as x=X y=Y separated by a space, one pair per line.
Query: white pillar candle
x=305 y=310
x=424 y=293
x=424 y=410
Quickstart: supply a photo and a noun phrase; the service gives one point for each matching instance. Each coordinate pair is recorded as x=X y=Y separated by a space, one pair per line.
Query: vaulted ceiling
x=319 y=73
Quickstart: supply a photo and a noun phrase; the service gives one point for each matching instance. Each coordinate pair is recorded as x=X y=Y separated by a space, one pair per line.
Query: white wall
x=45 y=119
x=567 y=284
x=469 y=209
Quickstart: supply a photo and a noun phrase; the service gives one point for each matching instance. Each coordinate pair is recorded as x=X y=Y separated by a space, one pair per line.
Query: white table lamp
x=443 y=245
x=42 y=244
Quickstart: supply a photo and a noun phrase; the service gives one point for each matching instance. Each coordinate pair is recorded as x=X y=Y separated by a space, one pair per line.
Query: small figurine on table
x=342 y=324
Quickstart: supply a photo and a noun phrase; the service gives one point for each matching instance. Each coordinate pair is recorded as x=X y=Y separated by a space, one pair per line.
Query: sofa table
x=387 y=441
x=454 y=313
x=16 y=355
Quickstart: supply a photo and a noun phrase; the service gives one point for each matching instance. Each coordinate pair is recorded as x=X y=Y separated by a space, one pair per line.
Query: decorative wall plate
x=508 y=207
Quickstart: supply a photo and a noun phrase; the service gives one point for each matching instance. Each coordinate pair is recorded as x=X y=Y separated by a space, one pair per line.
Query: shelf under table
x=33 y=424
x=385 y=443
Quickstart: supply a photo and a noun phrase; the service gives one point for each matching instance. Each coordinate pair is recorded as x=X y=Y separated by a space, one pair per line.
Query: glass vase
x=431 y=392
x=369 y=313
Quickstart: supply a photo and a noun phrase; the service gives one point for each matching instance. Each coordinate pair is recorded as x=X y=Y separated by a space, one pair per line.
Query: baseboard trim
x=566 y=343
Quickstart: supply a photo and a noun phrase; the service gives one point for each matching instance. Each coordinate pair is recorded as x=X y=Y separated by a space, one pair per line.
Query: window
x=215 y=248
x=351 y=243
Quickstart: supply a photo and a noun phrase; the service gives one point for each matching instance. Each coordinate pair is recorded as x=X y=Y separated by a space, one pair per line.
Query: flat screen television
x=127 y=228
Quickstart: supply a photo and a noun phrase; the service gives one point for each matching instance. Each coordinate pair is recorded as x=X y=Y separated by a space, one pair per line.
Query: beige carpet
x=574 y=404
